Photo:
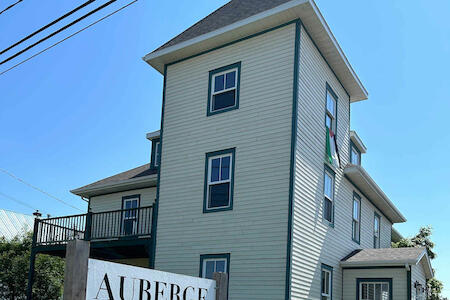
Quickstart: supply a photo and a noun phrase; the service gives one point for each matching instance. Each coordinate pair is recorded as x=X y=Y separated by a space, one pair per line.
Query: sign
x=113 y=281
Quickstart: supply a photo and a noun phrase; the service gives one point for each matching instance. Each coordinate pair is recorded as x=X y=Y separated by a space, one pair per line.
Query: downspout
x=408 y=281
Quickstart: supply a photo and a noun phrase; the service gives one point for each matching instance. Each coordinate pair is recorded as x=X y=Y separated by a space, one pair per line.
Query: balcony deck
x=116 y=234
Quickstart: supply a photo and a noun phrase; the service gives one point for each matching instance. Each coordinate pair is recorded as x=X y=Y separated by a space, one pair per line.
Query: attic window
x=355 y=155
x=224 y=89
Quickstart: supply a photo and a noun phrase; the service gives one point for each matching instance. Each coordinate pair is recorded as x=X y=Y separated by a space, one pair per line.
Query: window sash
x=326 y=284
x=213 y=85
x=215 y=261
x=157 y=153
x=376 y=231
x=355 y=159
x=370 y=291
x=221 y=181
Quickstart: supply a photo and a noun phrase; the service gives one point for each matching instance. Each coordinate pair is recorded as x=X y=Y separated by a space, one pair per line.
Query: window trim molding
x=208 y=155
x=355 y=195
x=125 y=198
x=204 y=257
x=329 y=269
x=333 y=175
x=376 y=215
x=328 y=89
x=153 y=154
x=237 y=66
x=373 y=280
x=352 y=145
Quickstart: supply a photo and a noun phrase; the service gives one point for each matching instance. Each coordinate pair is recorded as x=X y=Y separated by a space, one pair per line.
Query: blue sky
x=80 y=111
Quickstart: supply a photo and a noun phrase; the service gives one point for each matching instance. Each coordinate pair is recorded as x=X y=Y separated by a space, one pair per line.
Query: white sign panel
x=113 y=281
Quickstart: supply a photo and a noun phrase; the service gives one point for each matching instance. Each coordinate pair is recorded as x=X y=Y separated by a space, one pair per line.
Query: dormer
x=357 y=148
x=155 y=157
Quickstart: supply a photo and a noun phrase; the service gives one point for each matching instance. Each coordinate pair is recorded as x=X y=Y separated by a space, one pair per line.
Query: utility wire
x=17 y=201
x=11 y=6
x=38 y=189
x=75 y=33
x=58 y=31
x=48 y=25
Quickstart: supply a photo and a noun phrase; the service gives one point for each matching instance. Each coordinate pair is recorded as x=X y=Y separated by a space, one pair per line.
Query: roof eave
x=357 y=91
x=357 y=141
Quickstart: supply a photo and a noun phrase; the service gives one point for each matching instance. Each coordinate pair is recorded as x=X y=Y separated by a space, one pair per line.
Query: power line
x=48 y=25
x=17 y=201
x=11 y=6
x=58 y=31
x=38 y=189
x=59 y=42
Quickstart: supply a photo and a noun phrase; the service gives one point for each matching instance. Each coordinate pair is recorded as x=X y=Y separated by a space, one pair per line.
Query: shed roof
x=13 y=223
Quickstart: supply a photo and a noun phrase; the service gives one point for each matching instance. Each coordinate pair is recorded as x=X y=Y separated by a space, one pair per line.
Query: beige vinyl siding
x=255 y=231
x=399 y=285
x=113 y=201
x=314 y=241
x=417 y=275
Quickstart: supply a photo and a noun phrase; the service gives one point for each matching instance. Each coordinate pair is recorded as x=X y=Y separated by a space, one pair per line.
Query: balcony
x=117 y=234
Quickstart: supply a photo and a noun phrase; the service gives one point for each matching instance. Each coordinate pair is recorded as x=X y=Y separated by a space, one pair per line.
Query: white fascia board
x=153 y=135
x=357 y=141
x=424 y=256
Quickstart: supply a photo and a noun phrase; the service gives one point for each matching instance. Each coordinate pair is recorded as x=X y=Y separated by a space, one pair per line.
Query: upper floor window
x=224 y=89
x=355 y=155
x=130 y=206
x=326 y=285
x=210 y=264
x=157 y=153
x=331 y=110
x=328 y=191
x=219 y=181
x=376 y=231
x=356 y=224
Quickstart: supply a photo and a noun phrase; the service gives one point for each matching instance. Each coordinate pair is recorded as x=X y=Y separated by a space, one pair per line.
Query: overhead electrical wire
x=11 y=6
x=48 y=25
x=75 y=33
x=58 y=31
x=17 y=201
x=38 y=189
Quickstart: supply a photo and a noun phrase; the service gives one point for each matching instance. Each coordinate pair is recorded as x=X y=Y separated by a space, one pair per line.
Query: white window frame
x=135 y=217
x=215 y=260
x=332 y=194
x=330 y=114
x=330 y=285
x=213 y=88
x=374 y=283
x=356 y=223
x=376 y=231
x=220 y=181
x=354 y=152
x=157 y=152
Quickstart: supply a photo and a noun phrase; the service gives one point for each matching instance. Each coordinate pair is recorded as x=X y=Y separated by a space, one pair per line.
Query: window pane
x=328 y=121
x=224 y=100
x=230 y=80
x=364 y=292
x=220 y=266
x=355 y=157
x=215 y=168
x=356 y=210
x=323 y=283
x=328 y=186
x=330 y=104
x=225 y=171
x=219 y=195
x=371 y=292
x=378 y=292
x=219 y=83
x=328 y=210
x=209 y=270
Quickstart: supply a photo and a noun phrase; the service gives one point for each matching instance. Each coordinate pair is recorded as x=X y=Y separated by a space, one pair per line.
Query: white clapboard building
x=255 y=170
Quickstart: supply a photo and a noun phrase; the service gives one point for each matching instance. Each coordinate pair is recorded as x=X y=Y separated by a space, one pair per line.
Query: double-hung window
x=157 y=157
x=374 y=289
x=224 y=89
x=328 y=192
x=326 y=286
x=209 y=264
x=356 y=217
x=219 y=180
x=331 y=104
x=130 y=206
x=355 y=155
x=376 y=231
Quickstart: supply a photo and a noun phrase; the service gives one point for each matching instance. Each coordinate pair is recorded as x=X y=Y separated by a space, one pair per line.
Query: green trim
x=153 y=158
x=298 y=25
x=373 y=267
x=234 y=42
x=213 y=256
x=330 y=269
x=156 y=205
x=358 y=197
x=238 y=85
x=333 y=173
x=369 y=280
x=408 y=283
x=231 y=151
x=376 y=215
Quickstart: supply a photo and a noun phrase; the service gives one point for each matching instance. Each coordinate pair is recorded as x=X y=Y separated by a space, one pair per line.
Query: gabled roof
x=140 y=177
x=242 y=18
x=13 y=224
x=389 y=257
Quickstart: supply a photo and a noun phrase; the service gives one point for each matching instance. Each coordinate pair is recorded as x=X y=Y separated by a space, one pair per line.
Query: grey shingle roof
x=230 y=13
x=141 y=171
x=379 y=256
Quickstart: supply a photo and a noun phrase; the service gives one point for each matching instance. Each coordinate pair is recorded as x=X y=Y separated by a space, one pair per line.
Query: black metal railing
x=124 y=223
